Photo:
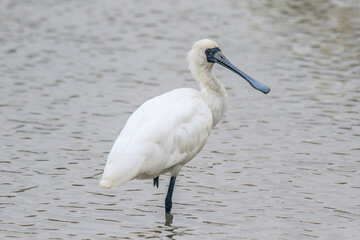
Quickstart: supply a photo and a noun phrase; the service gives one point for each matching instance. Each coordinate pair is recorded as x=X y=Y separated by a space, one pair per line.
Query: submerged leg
x=156 y=182
x=168 y=201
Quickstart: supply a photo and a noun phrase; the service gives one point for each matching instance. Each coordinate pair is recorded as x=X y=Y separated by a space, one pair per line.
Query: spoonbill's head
x=206 y=52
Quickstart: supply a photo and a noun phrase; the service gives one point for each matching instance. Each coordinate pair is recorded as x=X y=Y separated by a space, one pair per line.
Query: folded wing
x=161 y=135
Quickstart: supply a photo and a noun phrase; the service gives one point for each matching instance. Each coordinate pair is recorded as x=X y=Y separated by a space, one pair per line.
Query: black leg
x=156 y=182
x=168 y=201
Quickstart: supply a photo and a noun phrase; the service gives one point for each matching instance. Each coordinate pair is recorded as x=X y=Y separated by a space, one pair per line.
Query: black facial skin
x=210 y=53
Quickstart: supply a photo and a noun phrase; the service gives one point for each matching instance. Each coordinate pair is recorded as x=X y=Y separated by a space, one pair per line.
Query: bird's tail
x=105 y=183
x=117 y=174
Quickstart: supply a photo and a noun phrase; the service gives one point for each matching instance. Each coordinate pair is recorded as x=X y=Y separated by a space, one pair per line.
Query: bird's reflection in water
x=169 y=229
x=166 y=229
x=168 y=219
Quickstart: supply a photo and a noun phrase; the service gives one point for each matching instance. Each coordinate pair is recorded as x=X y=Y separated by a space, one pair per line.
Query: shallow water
x=280 y=166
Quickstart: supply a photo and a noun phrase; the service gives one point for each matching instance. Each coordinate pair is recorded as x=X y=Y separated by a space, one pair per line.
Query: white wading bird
x=167 y=131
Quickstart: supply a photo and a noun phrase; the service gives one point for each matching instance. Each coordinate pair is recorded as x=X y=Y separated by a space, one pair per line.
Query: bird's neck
x=213 y=91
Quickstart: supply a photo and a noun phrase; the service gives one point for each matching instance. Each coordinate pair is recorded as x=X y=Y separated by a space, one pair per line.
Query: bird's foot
x=168 y=219
x=156 y=182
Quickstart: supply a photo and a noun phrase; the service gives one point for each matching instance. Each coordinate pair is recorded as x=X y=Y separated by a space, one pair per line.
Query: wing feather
x=165 y=132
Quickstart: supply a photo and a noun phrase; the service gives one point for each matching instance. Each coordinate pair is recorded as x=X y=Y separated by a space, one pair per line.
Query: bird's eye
x=207 y=51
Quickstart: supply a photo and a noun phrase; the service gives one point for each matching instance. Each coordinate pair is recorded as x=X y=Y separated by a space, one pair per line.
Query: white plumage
x=167 y=131
x=160 y=136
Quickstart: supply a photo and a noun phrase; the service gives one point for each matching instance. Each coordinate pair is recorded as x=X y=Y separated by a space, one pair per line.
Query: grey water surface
x=280 y=166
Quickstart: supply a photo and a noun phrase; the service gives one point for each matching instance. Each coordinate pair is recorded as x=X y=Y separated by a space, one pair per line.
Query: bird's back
x=161 y=135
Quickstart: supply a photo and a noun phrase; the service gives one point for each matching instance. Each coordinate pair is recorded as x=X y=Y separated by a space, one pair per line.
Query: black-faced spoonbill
x=167 y=131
